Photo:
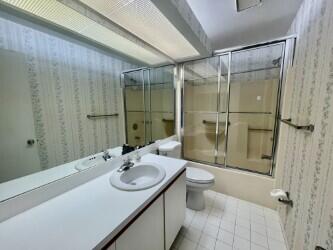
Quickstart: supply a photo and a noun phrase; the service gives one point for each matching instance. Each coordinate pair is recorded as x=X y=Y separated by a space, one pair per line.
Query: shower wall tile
x=305 y=160
x=67 y=82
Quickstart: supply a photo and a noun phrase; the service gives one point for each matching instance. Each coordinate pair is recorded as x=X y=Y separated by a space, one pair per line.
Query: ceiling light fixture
x=134 y=28
x=143 y=19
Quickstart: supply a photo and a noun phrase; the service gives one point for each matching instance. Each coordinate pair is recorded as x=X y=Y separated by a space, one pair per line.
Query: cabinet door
x=147 y=232
x=175 y=207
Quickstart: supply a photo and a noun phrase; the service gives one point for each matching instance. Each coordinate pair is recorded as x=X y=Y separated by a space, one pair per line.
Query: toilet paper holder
x=282 y=196
x=286 y=201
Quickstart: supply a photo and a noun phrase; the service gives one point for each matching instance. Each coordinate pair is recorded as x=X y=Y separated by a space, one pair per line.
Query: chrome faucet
x=126 y=165
x=106 y=155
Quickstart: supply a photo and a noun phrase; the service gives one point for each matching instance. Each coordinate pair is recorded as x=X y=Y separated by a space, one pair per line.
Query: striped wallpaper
x=67 y=82
x=305 y=161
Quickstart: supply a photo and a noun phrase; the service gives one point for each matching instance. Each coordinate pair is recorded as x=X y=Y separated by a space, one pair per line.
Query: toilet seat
x=199 y=176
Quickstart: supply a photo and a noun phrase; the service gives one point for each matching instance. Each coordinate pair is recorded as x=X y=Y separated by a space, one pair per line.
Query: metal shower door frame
x=218 y=101
x=284 y=41
x=277 y=107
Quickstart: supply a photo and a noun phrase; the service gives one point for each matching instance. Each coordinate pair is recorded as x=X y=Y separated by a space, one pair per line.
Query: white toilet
x=197 y=180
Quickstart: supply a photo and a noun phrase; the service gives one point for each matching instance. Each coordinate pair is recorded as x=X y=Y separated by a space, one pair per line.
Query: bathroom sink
x=89 y=162
x=140 y=176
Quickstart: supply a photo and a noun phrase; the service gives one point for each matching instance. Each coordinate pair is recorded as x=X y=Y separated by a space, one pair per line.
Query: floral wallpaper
x=68 y=81
x=306 y=160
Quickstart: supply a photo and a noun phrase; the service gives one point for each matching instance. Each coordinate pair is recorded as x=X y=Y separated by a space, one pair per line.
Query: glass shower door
x=162 y=102
x=223 y=110
x=147 y=122
x=202 y=82
x=149 y=104
x=253 y=101
x=231 y=107
x=134 y=107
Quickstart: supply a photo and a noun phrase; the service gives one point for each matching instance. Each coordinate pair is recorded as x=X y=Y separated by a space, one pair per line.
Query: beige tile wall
x=247 y=186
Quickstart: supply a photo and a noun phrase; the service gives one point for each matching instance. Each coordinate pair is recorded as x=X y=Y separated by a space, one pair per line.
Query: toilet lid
x=198 y=175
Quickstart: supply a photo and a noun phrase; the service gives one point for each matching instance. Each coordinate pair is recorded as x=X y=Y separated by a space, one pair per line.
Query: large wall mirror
x=62 y=102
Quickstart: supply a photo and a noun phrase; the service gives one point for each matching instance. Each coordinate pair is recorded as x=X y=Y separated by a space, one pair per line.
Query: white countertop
x=84 y=217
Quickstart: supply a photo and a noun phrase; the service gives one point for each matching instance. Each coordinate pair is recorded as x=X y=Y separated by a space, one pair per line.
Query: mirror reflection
x=48 y=105
x=149 y=104
x=62 y=107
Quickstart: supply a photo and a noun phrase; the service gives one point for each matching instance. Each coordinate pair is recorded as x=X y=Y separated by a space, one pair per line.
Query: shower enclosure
x=149 y=104
x=231 y=107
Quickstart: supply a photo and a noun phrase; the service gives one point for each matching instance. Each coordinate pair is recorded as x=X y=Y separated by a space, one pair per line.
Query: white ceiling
x=225 y=27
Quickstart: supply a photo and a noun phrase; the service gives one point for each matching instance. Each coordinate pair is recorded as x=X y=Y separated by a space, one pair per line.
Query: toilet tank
x=171 y=149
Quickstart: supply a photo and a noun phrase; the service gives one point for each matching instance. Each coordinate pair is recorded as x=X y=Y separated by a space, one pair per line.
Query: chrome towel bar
x=309 y=127
x=101 y=116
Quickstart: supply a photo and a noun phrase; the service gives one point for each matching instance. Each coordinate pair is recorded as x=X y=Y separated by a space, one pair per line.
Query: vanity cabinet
x=157 y=227
x=175 y=207
x=147 y=232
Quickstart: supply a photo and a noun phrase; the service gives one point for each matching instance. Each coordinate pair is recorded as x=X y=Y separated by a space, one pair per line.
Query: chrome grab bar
x=167 y=120
x=309 y=127
x=266 y=157
x=213 y=122
x=101 y=116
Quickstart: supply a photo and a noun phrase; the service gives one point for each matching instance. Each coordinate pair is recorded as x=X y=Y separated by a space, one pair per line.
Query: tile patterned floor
x=228 y=223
